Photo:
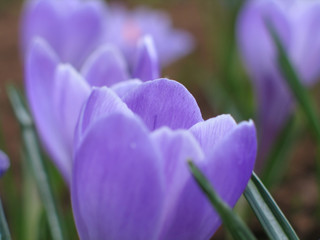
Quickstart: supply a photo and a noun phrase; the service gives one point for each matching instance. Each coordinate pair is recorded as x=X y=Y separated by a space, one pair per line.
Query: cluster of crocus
x=120 y=135
x=296 y=24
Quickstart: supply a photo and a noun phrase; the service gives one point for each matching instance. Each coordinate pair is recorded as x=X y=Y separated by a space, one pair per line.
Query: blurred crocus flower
x=130 y=178
x=56 y=92
x=75 y=28
x=125 y=27
x=4 y=163
x=296 y=23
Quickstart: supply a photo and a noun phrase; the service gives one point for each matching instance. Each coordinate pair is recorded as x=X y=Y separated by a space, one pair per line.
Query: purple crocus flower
x=124 y=28
x=130 y=177
x=56 y=91
x=4 y=163
x=296 y=24
x=75 y=28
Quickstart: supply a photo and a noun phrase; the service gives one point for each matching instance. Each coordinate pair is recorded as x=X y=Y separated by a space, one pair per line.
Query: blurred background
x=213 y=73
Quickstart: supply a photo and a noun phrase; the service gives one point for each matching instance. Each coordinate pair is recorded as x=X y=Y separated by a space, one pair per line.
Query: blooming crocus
x=75 y=28
x=4 y=163
x=296 y=23
x=56 y=91
x=125 y=27
x=130 y=178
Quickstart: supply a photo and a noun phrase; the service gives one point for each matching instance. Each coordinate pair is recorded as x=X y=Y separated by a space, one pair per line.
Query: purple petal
x=4 y=163
x=209 y=132
x=123 y=88
x=228 y=169
x=73 y=28
x=101 y=102
x=164 y=102
x=105 y=67
x=69 y=94
x=117 y=188
x=40 y=71
x=306 y=48
x=177 y=147
x=254 y=40
x=275 y=104
x=147 y=65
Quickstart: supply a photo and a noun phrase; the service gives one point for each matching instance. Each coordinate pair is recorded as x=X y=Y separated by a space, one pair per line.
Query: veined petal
x=209 y=132
x=177 y=147
x=105 y=67
x=147 y=64
x=4 y=163
x=70 y=91
x=228 y=168
x=101 y=102
x=164 y=102
x=117 y=187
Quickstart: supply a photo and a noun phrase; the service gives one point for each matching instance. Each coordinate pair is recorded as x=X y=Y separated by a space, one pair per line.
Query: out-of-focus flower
x=130 y=177
x=4 y=163
x=296 y=24
x=56 y=92
x=124 y=28
x=75 y=28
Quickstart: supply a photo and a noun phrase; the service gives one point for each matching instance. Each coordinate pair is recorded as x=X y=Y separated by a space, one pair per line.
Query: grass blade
x=267 y=211
x=232 y=222
x=4 y=229
x=35 y=161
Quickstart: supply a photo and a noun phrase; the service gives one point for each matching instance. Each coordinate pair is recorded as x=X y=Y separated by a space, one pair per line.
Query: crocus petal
x=41 y=18
x=275 y=105
x=254 y=39
x=4 y=163
x=123 y=88
x=69 y=94
x=230 y=166
x=306 y=49
x=101 y=102
x=177 y=147
x=117 y=188
x=164 y=102
x=147 y=65
x=209 y=132
x=105 y=67
x=40 y=70
x=73 y=28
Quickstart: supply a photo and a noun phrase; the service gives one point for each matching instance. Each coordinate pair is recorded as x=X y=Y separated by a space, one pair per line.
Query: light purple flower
x=75 y=28
x=124 y=28
x=4 y=163
x=130 y=176
x=296 y=22
x=56 y=91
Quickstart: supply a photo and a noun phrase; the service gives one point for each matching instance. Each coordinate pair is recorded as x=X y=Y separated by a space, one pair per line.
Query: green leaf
x=237 y=229
x=267 y=211
x=295 y=83
x=4 y=229
x=36 y=163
